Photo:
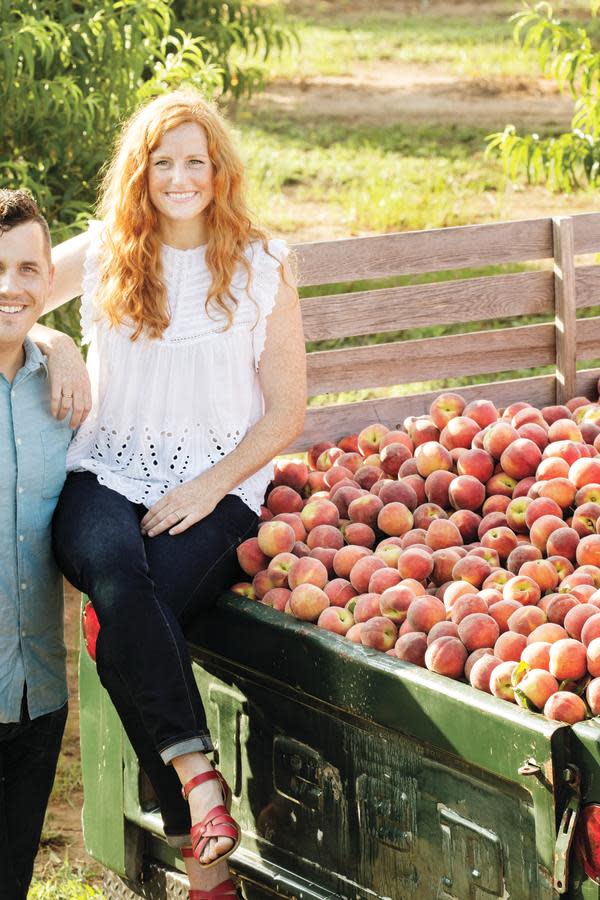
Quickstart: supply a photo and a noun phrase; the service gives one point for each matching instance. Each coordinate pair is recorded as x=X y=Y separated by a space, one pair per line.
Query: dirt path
x=387 y=93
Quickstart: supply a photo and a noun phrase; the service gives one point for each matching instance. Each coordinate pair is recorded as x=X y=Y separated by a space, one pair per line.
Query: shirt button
x=23 y=585
x=20 y=490
x=23 y=634
x=21 y=537
x=19 y=441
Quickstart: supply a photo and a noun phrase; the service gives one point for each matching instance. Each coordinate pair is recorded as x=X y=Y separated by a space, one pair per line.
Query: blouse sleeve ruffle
x=91 y=280
x=265 y=285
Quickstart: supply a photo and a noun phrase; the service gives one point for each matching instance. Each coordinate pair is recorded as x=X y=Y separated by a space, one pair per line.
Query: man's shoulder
x=34 y=358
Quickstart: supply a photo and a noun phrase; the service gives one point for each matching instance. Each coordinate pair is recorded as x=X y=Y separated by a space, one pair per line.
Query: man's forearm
x=49 y=339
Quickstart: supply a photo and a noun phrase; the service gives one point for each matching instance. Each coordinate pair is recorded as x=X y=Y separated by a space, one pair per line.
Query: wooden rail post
x=565 y=321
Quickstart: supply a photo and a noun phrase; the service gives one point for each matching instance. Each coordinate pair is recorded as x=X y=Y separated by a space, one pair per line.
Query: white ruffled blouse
x=167 y=409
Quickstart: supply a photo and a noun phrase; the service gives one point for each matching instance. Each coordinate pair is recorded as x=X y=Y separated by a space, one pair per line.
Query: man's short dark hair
x=19 y=207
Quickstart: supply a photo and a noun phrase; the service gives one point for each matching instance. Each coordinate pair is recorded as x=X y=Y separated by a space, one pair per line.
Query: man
x=33 y=445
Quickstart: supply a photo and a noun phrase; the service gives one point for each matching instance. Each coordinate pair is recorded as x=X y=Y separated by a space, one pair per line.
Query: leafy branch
x=565 y=52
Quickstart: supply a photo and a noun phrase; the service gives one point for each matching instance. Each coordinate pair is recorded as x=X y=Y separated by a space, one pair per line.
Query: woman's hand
x=69 y=380
x=182 y=507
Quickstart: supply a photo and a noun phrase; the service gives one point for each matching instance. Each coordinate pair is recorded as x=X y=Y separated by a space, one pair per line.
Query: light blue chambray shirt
x=33 y=447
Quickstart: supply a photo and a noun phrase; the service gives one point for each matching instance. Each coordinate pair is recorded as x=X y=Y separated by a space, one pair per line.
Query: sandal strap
x=225 y=889
x=216 y=824
x=208 y=776
x=189 y=786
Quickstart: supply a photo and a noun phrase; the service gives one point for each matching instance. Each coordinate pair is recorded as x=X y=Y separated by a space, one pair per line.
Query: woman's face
x=180 y=174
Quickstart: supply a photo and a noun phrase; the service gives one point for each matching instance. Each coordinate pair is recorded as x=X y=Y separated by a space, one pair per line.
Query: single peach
x=415 y=563
x=568 y=659
x=364 y=607
x=564 y=706
x=536 y=686
x=307 y=570
x=478 y=630
x=548 y=632
x=339 y=591
x=501 y=680
x=307 y=602
x=336 y=619
x=592 y=695
x=379 y=633
x=412 y=648
x=481 y=671
x=394 y=603
x=424 y=612
x=509 y=646
x=590 y=629
x=537 y=655
x=526 y=619
x=446 y=656
x=442 y=629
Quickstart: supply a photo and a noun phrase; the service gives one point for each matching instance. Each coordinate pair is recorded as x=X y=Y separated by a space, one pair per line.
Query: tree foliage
x=72 y=70
x=565 y=51
x=232 y=32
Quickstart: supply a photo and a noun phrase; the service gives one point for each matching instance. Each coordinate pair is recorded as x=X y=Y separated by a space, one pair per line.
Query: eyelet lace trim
x=126 y=461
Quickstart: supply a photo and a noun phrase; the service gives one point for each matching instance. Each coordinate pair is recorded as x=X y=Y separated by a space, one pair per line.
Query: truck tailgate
x=370 y=777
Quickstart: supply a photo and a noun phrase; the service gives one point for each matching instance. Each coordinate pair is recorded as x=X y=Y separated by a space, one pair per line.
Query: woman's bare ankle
x=205 y=879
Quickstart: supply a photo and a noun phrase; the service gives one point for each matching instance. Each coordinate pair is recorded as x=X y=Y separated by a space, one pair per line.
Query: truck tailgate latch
x=529 y=767
x=566 y=830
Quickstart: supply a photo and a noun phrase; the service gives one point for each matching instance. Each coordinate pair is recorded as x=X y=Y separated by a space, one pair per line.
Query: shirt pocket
x=55 y=441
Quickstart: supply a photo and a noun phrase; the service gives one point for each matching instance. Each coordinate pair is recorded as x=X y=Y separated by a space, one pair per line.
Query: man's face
x=25 y=281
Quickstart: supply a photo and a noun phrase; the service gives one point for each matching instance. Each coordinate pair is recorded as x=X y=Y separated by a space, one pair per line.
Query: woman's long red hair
x=132 y=288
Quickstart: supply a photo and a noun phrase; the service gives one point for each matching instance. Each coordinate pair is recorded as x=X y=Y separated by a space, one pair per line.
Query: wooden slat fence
x=561 y=292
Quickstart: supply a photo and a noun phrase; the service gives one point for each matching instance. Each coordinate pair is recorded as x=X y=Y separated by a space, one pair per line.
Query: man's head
x=25 y=266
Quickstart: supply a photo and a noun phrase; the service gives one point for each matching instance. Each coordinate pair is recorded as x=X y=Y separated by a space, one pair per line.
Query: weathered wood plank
x=565 y=309
x=588 y=338
x=424 y=305
x=451 y=356
x=331 y=422
x=466 y=246
x=586 y=233
x=587 y=383
x=404 y=253
x=587 y=286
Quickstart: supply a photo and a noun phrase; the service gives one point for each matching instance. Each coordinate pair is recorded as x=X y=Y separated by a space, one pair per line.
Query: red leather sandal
x=217 y=823
x=223 y=890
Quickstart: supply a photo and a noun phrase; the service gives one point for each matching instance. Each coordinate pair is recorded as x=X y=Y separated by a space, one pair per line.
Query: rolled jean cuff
x=179 y=840
x=201 y=743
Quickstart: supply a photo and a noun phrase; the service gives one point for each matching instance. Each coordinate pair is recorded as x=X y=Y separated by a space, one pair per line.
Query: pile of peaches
x=466 y=541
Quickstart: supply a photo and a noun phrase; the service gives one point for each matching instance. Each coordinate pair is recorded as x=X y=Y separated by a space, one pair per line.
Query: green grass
x=370 y=178
x=64 y=883
x=334 y=37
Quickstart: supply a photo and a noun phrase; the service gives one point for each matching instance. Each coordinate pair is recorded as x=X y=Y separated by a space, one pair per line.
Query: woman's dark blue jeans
x=146 y=592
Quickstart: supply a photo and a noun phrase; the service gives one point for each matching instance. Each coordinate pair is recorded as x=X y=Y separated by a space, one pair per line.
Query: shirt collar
x=34 y=358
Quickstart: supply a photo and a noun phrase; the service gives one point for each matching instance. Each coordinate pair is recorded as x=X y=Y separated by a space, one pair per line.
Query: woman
x=197 y=364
